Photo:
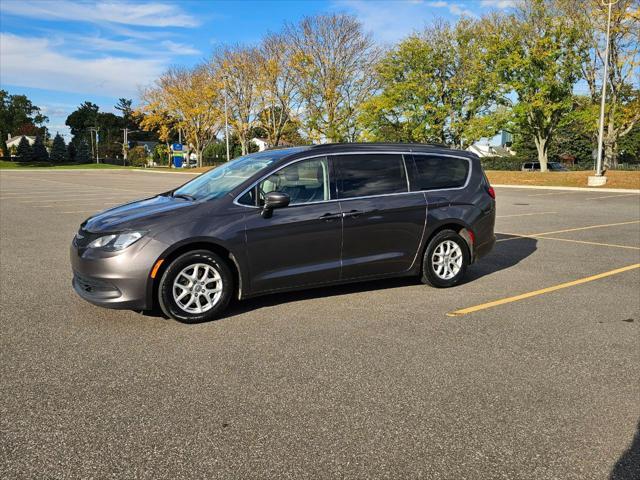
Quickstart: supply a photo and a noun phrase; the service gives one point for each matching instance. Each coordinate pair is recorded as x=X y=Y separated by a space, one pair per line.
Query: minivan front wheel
x=445 y=260
x=196 y=287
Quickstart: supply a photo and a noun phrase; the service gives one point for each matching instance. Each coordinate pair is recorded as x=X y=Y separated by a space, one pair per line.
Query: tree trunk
x=542 y=145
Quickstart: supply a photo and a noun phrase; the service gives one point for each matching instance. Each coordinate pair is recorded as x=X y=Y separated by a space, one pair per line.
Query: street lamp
x=226 y=120
x=604 y=95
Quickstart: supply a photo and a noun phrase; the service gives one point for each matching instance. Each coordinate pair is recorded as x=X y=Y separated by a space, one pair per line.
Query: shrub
x=503 y=163
x=137 y=156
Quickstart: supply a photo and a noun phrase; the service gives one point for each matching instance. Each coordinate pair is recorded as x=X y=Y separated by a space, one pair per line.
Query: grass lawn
x=615 y=179
x=6 y=165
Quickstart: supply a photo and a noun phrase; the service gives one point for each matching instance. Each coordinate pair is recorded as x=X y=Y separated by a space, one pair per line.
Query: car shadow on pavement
x=504 y=255
x=628 y=465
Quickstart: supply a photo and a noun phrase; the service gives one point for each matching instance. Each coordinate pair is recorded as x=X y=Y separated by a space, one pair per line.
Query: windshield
x=221 y=180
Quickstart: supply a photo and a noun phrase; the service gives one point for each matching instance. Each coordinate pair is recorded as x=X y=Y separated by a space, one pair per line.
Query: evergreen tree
x=58 y=150
x=24 y=150
x=71 y=152
x=83 y=155
x=39 y=151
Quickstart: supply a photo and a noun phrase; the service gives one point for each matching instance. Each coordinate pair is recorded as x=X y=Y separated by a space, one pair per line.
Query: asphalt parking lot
x=387 y=379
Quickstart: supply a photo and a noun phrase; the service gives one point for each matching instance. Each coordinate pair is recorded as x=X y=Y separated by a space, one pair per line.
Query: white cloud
x=454 y=8
x=498 y=3
x=392 y=21
x=180 y=48
x=34 y=62
x=118 y=12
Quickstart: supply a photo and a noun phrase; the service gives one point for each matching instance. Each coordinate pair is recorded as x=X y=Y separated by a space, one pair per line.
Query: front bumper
x=116 y=280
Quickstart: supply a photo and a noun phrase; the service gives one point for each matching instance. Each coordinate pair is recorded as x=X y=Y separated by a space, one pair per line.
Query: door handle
x=353 y=213
x=330 y=216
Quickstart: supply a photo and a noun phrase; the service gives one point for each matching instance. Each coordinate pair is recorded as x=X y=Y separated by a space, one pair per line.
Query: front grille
x=95 y=288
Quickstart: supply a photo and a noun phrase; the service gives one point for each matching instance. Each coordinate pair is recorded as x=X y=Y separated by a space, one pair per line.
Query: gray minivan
x=289 y=219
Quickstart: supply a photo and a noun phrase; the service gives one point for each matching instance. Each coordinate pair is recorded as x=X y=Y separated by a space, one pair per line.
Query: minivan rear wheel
x=196 y=287
x=445 y=260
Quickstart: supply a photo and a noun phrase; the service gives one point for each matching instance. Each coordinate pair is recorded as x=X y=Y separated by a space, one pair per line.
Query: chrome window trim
x=387 y=152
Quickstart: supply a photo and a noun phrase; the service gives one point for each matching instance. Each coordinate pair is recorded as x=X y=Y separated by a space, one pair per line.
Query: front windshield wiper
x=185 y=196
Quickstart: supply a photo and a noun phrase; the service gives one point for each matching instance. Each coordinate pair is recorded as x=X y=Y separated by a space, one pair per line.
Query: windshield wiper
x=185 y=196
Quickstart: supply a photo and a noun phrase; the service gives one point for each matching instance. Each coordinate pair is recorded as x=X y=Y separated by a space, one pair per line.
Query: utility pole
x=603 y=100
x=125 y=145
x=92 y=130
x=226 y=119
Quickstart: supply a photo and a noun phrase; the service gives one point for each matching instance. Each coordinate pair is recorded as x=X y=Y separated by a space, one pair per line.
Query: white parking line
x=614 y=196
x=96 y=199
x=36 y=198
x=524 y=214
x=552 y=193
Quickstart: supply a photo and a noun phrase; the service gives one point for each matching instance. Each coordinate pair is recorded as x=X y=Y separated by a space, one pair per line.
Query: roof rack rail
x=385 y=144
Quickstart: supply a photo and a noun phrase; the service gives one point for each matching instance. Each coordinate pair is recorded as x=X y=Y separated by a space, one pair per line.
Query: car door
x=382 y=222
x=300 y=244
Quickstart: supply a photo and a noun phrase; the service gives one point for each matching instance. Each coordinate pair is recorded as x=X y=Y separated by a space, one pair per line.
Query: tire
x=186 y=300
x=452 y=250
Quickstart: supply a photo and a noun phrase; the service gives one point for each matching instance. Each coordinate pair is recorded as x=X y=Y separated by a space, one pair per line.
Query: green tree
x=39 y=151
x=124 y=105
x=24 y=152
x=18 y=116
x=534 y=53
x=83 y=153
x=71 y=152
x=80 y=120
x=58 y=150
x=435 y=88
x=623 y=98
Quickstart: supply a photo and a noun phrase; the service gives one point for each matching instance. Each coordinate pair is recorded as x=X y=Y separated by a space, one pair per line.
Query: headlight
x=116 y=241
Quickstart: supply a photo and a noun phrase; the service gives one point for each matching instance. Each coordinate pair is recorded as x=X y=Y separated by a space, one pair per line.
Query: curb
x=575 y=189
x=167 y=173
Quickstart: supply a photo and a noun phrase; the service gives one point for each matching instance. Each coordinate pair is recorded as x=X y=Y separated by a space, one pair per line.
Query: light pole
x=226 y=119
x=125 y=143
x=604 y=92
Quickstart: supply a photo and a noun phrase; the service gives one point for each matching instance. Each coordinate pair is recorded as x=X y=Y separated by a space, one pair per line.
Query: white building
x=15 y=141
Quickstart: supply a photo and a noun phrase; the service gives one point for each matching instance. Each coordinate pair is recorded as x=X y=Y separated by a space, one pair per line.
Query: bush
x=137 y=157
x=503 y=163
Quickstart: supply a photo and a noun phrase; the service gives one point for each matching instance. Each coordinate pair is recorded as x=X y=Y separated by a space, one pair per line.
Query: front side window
x=370 y=174
x=305 y=181
x=221 y=180
x=434 y=172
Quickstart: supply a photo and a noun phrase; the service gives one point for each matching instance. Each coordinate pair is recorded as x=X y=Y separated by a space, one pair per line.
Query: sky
x=61 y=53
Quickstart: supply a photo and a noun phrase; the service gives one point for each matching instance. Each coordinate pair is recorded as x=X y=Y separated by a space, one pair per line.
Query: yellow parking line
x=614 y=196
x=524 y=214
x=542 y=291
x=518 y=235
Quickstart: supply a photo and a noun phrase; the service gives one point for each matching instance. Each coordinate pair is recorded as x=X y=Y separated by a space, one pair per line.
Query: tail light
x=491 y=192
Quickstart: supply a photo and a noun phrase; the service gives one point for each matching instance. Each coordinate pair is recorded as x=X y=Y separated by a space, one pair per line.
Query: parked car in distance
x=289 y=219
x=551 y=166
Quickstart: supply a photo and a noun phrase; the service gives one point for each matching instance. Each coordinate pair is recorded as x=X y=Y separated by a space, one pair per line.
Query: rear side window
x=369 y=174
x=435 y=172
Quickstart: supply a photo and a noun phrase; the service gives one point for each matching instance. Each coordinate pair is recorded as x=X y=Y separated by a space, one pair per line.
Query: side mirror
x=274 y=200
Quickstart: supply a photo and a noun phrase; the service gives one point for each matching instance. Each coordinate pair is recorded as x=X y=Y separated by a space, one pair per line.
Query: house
x=263 y=143
x=485 y=148
x=15 y=141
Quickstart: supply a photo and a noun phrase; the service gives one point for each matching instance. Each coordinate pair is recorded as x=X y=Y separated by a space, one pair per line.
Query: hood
x=142 y=214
